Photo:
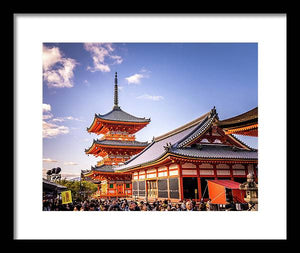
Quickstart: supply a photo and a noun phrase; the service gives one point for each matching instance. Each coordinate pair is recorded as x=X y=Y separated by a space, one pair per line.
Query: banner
x=66 y=197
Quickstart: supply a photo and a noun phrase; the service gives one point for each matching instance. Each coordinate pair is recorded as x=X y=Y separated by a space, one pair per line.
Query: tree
x=79 y=189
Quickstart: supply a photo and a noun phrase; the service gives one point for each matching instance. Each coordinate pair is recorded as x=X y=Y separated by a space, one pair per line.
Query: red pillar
x=199 y=183
x=180 y=181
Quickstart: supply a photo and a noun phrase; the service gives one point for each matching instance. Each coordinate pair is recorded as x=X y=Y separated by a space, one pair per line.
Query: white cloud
x=70 y=163
x=118 y=59
x=50 y=127
x=61 y=119
x=102 y=55
x=47 y=116
x=52 y=130
x=46 y=108
x=150 y=97
x=58 y=120
x=135 y=79
x=49 y=160
x=58 y=71
x=50 y=57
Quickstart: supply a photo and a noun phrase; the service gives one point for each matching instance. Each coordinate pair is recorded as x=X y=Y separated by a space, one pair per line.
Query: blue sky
x=171 y=83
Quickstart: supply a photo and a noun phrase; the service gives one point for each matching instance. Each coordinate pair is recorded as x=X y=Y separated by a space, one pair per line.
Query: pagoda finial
x=116 y=100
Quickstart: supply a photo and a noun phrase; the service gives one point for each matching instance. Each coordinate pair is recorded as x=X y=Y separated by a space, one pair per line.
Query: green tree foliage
x=80 y=190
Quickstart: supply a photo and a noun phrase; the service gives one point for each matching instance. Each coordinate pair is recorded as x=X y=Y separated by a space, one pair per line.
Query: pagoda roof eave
x=91 y=127
x=120 y=144
x=88 y=150
x=118 y=115
x=122 y=121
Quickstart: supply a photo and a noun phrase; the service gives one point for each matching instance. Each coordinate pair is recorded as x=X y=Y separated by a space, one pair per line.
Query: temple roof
x=121 y=143
x=175 y=142
x=103 y=168
x=244 y=119
x=117 y=114
x=201 y=128
x=216 y=151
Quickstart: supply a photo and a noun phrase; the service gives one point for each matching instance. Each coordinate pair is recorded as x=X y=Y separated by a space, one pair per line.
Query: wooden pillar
x=215 y=171
x=156 y=172
x=231 y=171
x=146 y=186
x=246 y=168
x=168 y=186
x=198 y=181
x=180 y=181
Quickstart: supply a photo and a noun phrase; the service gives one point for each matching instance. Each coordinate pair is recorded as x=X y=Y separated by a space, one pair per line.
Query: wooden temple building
x=176 y=165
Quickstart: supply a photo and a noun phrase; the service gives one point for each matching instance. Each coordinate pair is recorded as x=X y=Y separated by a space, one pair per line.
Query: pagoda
x=116 y=145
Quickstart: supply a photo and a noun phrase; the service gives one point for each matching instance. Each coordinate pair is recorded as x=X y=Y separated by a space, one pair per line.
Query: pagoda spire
x=116 y=100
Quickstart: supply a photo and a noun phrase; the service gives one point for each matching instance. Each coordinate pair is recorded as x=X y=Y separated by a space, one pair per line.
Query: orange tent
x=223 y=191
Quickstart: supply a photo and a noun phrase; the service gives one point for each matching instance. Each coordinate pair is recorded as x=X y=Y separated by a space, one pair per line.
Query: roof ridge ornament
x=168 y=146
x=116 y=99
x=213 y=112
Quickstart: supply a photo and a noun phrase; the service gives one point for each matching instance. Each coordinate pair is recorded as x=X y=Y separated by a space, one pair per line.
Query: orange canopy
x=217 y=191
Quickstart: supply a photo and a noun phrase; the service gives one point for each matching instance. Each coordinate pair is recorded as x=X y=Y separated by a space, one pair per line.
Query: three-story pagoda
x=117 y=145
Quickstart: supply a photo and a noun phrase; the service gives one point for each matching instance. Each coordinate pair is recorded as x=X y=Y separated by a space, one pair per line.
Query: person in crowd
x=189 y=206
x=177 y=207
x=133 y=206
x=202 y=206
x=208 y=205
x=144 y=208
x=114 y=206
x=124 y=206
x=183 y=206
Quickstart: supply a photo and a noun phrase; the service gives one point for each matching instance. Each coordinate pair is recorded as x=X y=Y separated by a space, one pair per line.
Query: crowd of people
x=132 y=205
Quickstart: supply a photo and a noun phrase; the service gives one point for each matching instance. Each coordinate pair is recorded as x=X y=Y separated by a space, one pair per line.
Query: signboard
x=66 y=197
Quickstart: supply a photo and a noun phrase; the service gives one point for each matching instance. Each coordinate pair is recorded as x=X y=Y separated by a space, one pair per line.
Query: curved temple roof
x=121 y=143
x=243 y=119
x=117 y=114
x=174 y=143
x=103 y=168
x=216 y=151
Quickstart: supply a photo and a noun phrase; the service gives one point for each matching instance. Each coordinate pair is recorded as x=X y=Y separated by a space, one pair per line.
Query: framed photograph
x=150 y=113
